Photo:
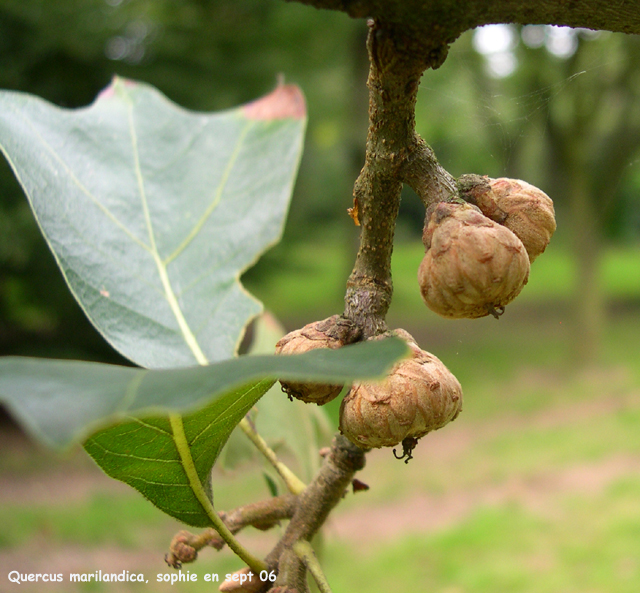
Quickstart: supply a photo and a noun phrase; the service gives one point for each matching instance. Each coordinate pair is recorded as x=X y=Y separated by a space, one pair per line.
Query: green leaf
x=153 y=212
x=169 y=459
x=166 y=456
x=60 y=401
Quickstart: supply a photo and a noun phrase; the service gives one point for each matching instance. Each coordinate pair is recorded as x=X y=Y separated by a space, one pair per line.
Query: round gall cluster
x=419 y=394
x=477 y=257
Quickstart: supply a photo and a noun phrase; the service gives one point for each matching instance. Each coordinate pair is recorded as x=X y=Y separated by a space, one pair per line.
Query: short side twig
x=262 y=515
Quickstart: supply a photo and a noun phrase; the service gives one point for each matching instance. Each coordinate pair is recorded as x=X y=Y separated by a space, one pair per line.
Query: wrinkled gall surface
x=419 y=395
x=472 y=266
x=521 y=207
x=311 y=336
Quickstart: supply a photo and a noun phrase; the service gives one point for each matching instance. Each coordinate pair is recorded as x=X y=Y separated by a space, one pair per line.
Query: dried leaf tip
x=117 y=83
x=285 y=102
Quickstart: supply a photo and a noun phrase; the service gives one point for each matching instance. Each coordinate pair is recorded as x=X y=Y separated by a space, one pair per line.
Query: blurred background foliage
x=554 y=106
x=550 y=431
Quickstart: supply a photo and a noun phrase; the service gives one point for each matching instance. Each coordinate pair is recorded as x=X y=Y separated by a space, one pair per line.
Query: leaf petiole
x=184 y=451
x=294 y=484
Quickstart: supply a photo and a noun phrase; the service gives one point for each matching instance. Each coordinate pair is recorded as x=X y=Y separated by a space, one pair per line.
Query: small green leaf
x=153 y=212
x=271 y=484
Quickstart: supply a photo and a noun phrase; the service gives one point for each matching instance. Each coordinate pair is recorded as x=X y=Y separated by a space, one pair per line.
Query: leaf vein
x=152 y=427
x=217 y=196
x=113 y=453
x=154 y=483
x=228 y=412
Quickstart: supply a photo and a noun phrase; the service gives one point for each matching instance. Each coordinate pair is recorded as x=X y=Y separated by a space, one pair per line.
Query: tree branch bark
x=395 y=154
x=450 y=18
x=314 y=505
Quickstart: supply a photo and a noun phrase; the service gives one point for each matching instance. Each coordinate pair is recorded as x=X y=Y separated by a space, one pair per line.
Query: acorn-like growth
x=521 y=207
x=333 y=333
x=418 y=396
x=472 y=266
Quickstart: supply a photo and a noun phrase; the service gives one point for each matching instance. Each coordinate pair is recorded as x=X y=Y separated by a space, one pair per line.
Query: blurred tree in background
x=560 y=108
x=593 y=134
x=553 y=106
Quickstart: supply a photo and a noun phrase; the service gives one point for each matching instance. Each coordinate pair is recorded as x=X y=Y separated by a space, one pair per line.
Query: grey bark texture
x=447 y=19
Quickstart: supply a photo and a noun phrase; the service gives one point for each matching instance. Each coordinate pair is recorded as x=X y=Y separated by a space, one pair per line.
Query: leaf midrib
x=161 y=265
x=178 y=435
x=187 y=334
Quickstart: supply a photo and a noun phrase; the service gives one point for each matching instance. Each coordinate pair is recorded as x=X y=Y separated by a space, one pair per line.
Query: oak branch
x=447 y=19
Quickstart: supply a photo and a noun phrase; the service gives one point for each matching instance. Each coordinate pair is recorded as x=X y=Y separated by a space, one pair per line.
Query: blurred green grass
x=568 y=439
x=89 y=522
x=591 y=544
